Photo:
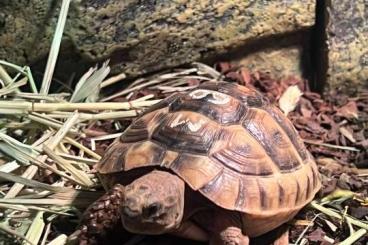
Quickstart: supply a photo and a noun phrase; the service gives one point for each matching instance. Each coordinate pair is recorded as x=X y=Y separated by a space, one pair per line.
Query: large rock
x=140 y=36
x=346 y=26
x=280 y=57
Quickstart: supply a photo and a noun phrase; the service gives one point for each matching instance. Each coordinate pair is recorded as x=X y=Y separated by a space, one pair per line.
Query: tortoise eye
x=143 y=188
x=170 y=200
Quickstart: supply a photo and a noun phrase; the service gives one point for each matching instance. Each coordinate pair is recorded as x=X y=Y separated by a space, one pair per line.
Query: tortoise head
x=153 y=203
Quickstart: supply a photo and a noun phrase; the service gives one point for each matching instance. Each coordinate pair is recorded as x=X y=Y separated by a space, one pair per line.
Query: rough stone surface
x=26 y=28
x=276 y=62
x=146 y=35
x=288 y=56
x=347 y=40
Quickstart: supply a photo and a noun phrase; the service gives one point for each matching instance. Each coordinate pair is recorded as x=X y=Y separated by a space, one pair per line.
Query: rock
x=23 y=28
x=141 y=36
x=284 y=56
x=281 y=62
x=346 y=27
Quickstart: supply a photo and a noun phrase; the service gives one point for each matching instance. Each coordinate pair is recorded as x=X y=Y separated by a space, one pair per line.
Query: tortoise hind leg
x=283 y=239
x=278 y=236
x=101 y=217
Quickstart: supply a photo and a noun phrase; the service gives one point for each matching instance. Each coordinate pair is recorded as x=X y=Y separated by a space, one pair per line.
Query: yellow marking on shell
x=192 y=126
x=218 y=98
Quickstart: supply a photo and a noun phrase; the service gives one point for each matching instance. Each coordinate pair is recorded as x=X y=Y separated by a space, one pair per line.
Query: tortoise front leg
x=101 y=217
x=226 y=229
x=230 y=236
x=189 y=230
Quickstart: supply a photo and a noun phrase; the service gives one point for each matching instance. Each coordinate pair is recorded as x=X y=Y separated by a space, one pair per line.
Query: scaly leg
x=101 y=217
x=227 y=230
x=283 y=239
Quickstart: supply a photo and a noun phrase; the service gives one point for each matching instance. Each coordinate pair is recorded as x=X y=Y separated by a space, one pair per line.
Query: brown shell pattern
x=227 y=142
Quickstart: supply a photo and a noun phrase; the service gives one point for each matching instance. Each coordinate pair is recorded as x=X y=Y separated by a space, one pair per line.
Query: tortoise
x=218 y=163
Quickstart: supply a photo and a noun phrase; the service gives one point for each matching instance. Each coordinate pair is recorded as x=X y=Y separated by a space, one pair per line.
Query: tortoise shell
x=225 y=141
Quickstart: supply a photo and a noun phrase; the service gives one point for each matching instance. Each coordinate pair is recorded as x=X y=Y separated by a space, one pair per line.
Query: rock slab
x=347 y=45
x=141 y=36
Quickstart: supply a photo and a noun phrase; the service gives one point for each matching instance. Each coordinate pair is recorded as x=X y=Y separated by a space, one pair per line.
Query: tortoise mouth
x=150 y=227
x=138 y=222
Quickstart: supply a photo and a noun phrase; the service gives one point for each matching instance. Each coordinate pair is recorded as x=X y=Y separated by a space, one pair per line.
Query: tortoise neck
x=194 y=203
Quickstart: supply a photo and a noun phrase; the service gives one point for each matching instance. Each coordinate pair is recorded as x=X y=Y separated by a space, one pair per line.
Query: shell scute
x=199 y=170
x=137 y=132
x=143 y=154
x=289 y=129
x=113 y=159
x=250 y=97
x=242 y=153
x=186 y=131
x=223 y=189
x=217 y=106
x=273 y=139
